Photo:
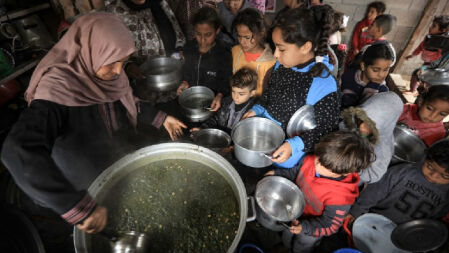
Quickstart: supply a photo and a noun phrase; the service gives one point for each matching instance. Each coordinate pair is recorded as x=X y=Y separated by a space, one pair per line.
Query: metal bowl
x=435 y=76
x=255 y=139
x=212 y=138
x=421 y=235
x=408 y=147
x=194 y=101
x=279 y=198
x=162 y=74
x=371 y=233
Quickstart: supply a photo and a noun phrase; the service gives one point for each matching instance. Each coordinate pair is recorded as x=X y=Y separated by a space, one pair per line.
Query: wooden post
x=418 y=35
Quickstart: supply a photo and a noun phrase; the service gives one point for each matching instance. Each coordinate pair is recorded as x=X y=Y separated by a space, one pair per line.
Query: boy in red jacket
x=439 y=25
x=360 y=36
x=329 y=182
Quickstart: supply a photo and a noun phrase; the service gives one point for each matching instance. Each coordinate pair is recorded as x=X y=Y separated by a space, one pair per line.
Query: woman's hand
x=133 y=71
x=95 y=222
x=174 y=127
x=216 y=103
x=183 y=86
x=248 y=114
x=296 y=228
x=269 y=173
x=282 y=153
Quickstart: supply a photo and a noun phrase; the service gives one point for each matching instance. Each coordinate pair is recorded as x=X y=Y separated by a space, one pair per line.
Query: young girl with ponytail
x=301 y=76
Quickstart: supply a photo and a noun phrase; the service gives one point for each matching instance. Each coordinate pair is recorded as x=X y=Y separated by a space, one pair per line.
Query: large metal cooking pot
x=162 y=74
x=408 y=147
x=33 y=32
x=255 y=139
x=278 y=200
x=101 y=187
x=194 y=103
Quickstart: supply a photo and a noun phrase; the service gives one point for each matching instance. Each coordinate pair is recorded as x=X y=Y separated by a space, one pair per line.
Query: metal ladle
x=129 y=242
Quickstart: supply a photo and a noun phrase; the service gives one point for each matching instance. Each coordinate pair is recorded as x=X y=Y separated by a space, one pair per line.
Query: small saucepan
x=255 y=139
x=194 y=103
x=162 y=74
x=212 y=138
x=279 y=201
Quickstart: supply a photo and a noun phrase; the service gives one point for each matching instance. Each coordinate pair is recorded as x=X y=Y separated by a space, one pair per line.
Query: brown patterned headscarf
x=66 y=75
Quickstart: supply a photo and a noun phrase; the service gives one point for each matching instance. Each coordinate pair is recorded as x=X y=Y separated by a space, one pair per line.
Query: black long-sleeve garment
x=55 y=151
x=212 y=69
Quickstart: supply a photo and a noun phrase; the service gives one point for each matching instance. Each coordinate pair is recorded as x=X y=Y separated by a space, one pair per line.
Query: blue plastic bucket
x=249 y=246
x=347 y=250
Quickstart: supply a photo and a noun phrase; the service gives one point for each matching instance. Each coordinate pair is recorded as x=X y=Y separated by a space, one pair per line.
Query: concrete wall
x=407 y=12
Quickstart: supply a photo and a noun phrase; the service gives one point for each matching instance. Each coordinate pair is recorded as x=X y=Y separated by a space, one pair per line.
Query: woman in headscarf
x=81 y=117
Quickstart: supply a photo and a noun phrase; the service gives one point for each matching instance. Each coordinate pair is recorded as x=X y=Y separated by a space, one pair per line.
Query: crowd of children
x=330 y=166
x=351 y=146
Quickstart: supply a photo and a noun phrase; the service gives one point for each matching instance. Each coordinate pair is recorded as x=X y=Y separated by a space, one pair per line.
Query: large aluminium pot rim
x=165 y=151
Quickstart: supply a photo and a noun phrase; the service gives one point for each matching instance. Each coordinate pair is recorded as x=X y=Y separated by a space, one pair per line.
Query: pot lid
x=302 y=120
x=421 y=235
x=435 y=76
x=371 y=233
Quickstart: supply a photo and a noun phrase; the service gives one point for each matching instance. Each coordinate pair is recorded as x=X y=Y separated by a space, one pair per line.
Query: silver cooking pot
x=435 y=76
x=162 y=74
x=101 y=187
x=214 y=139
x=195 y=102
x=255 y=139
x=408 y=147
x=278 y=200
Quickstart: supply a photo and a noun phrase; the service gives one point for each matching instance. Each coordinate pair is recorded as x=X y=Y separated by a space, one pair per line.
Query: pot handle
x=268 y=156
x=253 y=209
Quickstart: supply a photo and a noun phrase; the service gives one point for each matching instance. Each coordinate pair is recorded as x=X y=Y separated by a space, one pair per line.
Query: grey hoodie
x=380 y=112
